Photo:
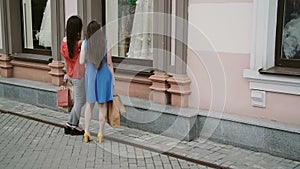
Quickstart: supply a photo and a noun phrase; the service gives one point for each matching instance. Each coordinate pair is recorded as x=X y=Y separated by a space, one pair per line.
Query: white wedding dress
x=44 y=36
x=141 y=43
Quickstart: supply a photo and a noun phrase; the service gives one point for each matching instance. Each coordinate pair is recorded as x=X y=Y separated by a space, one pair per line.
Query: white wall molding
x=264 y=34
x=273 y=83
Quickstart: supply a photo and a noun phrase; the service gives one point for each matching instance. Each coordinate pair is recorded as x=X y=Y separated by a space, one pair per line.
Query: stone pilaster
x=180 y=90
x=159 y=88
x=5 y=66
x=57 y=73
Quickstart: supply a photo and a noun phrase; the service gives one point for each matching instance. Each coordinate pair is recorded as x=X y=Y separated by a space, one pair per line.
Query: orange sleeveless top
x=75 y=69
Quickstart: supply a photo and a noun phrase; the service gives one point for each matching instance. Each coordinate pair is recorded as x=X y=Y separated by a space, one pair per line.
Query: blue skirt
x=98 y=84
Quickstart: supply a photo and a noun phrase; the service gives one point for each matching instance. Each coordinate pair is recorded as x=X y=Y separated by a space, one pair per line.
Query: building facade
x=227 y=70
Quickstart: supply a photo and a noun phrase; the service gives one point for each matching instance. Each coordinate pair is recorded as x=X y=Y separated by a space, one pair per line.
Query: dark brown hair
x=74 y=27
x=96 y=44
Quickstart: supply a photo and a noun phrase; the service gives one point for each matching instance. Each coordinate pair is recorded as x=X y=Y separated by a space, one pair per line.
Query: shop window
x=129 y=27
x=271 y=77
x=288 y=34
x=36 y=26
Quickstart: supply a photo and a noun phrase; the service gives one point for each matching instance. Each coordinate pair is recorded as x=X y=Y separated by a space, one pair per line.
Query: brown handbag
x=114 y=108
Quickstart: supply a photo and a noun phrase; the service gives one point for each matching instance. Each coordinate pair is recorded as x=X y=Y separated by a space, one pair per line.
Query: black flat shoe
x=67 y=129
x=75 y=132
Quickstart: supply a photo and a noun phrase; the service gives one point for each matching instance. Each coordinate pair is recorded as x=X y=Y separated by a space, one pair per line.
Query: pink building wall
x=217 y=66
x=283 y=108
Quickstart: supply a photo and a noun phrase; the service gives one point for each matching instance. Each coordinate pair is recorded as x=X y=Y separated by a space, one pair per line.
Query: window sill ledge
x=133 y=69
x=32 y=57
x=273 y=82
x=286 y=71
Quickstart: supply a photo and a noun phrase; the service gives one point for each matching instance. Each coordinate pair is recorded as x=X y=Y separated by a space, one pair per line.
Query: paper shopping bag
x=114 y=109
x=64 y=97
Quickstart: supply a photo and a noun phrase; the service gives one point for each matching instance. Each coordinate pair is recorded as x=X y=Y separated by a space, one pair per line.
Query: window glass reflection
x=129 y=28
x=291 y=30
x=36 y=24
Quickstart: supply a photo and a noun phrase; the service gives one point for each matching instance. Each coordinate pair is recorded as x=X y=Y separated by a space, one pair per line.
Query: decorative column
x=57 y=73
x=159 y=88
x=5 y=66
x=180 y=90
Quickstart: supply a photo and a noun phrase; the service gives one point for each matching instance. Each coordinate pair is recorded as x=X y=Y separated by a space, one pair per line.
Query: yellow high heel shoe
x=87 y=137
x=100 y=137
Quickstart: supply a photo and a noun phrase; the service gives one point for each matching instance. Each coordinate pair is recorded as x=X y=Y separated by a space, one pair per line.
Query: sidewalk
x=29 y=144
x=200 y=151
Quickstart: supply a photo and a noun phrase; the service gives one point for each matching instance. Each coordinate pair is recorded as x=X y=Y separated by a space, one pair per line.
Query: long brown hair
x=73 y=29
x=96 y=44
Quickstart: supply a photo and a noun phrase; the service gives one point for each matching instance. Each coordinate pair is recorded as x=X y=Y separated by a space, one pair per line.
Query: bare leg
x=102 y=116
x=88 y=115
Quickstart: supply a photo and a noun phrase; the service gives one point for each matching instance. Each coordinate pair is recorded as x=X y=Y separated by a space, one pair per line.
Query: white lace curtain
x=291 y=38
x=44 y=36
x=141 y=37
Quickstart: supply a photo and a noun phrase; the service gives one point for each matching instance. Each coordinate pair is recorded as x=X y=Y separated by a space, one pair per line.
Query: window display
x=291 y=30
x=133 y=20
x=36 y=24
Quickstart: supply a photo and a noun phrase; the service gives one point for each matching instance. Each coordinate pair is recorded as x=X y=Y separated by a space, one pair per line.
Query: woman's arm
x=109 y=61
x=80 y=43
x=63 y=50
x=82 y=53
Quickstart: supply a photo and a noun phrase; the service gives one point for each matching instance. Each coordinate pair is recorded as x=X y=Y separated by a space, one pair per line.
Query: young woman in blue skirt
x=99 y=76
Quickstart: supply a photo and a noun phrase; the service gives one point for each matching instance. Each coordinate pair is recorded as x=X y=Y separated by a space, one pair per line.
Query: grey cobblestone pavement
x=30 y=144
x=61 y=148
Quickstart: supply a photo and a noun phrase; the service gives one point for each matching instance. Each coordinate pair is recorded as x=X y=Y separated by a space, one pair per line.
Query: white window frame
x=263 y=52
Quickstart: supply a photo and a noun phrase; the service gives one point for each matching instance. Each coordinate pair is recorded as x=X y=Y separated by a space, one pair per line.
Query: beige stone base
x=31 y=71
x=133 y=86
x=159 y=88
x=57 y=73
x=160 y=97
x=6 y=69
x=7 y=73
x=180 y=90
x=179 y=100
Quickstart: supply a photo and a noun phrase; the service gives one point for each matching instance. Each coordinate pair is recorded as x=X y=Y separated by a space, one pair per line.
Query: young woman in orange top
x=70 y=50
